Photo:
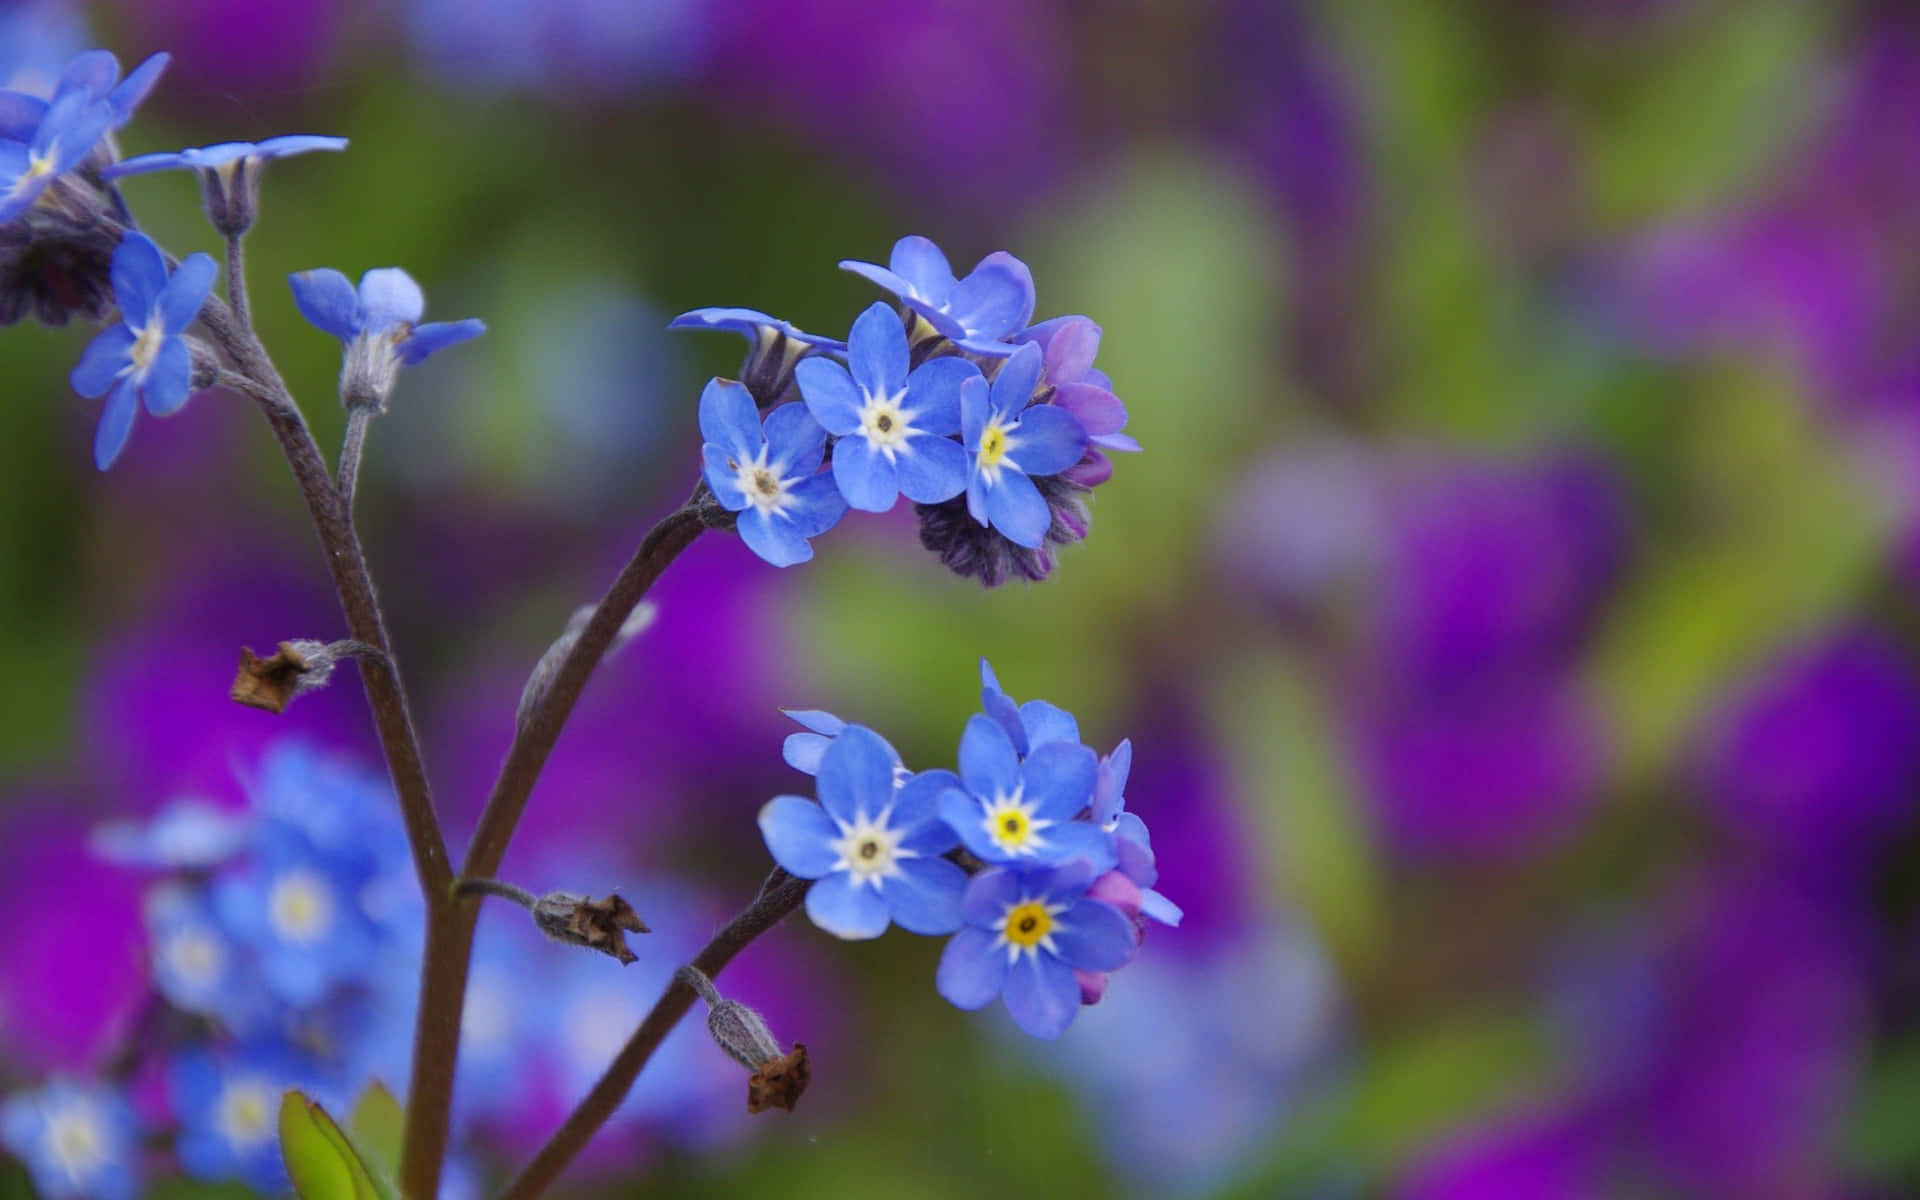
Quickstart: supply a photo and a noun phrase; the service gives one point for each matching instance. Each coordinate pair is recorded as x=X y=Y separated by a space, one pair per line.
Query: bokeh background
x=1513 y=612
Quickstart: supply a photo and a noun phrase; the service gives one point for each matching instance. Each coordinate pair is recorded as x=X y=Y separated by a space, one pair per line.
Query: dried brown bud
x=779 y=1082
x=299 y=666
x=583 y=921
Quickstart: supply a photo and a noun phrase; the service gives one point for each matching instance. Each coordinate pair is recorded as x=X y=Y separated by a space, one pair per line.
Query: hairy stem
x=359 y=416
x=237 y=281
x=776 y=901
x=496 y=887
x=435 y=1039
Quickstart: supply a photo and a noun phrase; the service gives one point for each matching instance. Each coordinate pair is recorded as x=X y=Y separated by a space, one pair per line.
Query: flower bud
x=777 y=1079
x=583 y=921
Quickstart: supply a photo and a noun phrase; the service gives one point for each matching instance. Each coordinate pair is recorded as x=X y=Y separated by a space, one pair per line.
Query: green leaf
x=322 y=1162
x=378 y=1126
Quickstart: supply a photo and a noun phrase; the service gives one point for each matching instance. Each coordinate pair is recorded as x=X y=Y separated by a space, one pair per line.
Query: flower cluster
x=1061 y=874
x=996 y=430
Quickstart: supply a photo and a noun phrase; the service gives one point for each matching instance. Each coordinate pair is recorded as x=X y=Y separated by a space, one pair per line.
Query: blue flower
x=42 y=140
x=802 y=751
x=143 y=359
x=1029 y=725
x=872 y=847
x=1011 y=440
x=226 y=156
x=379 y=323
x=895 y=429
x=773 y=347
x=77 y=1140
x=198 y=966
x=1028 y=931
x=768 y=474
x=186 y=833
x=976 y=313
x=1015 y=811
x=1132 y=845
x=229 y=1112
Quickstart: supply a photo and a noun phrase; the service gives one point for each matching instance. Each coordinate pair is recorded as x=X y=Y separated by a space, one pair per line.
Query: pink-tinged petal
x=1098 y=409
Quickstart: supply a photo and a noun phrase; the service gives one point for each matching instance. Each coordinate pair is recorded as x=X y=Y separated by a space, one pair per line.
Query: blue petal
x=866 y=476
x=141 y=164
x=818 y=720
x=135 y=87
x=1013 y=386
x=91 y=72
x=987 y=759
x=774 y=540
x=1130 y=828
x=846 y=909
x=730 y=420
x=1161 y=909
x=795 y=441
x=931 y=469
x=1063 y=884
x=877 y=351
x=1050 y=439
x=435 y=336
x=918 y=261
x=1046 y=722
x=721 y=479
x=830 y=394
x=856 y=776
x=1016 y=508
x=139 y=275
x=327 y=300
x=799 y=834
x=967 y=819
x=1001 y=709
x=816 y=505
x=204 y=158
x=916 y=804
x=995 y=299
x=976 y=407
x=1110 y=788
x=17 y=193
x=72 y=125
x=20 y=115
x=1079 y=841
x=971 y=971
x=389 y=297
x=186 y=291
x=116 y=424
x=880 y=275
x=933 y=393
x=1058 y=779
x=802 y=751
x=989 y=895
x=1095 y=937
x=102 y=361
x=1042 y=995
x=925 y=896
x=290 y=144
x=977 y=498
x=168 y=385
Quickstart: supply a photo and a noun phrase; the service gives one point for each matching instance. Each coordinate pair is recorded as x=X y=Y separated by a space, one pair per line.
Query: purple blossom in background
x=1546 y=1150
x=1306 y=527
x=255 y=48
x=565 y=48
x=1817 y=758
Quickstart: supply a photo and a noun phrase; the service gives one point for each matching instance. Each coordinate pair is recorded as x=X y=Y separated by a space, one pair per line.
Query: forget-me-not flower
x=229 y=1112
x=1029 y=725
x=872 y=847
x=226 y=156
x=1011 y=440
x=1132 y=845
x=774 y=346
x=1028 y=931
x=1022 y=811
x=895 y=429
x=197 y=965
x=40 y=140
x=143 y=359
x=379 y=323
x=77 y=1140
x=994 y=301
x=769 y=474
x=1068 y=346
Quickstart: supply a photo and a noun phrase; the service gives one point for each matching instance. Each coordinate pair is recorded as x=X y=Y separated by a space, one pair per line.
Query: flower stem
x=359 y=416
x=237 y=281
x=775 y=903
x=496 y=887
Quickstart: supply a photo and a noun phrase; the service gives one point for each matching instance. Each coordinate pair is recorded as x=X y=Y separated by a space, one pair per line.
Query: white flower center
x=300 y=907
x=245 y=1112
x=885 y=424
x=764 y=487
x=195 y=955
x=870 y=851
x=146 y=346
x=1010 y=822
x=75 y=1140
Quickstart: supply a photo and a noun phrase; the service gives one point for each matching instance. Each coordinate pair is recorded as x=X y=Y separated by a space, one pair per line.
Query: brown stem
x=351 y=448
x=775 y=903
x=237 y=281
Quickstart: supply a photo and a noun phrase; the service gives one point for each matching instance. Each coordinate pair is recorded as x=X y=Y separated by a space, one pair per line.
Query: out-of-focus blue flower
x=568 y=47
x=872 y=848
x=77 y=1140
x=226 y=156
x=1022 y=811
x=774 y=347
x=768 y=474
x=382 y=317
x=198 y=966
x=1011 y=440
x=60 y=141
x=188 y=832
x=144 y=359
x=895 y=429
x=977 y=313
x=90 y=78
x=1027 y=932
x=228 y=1107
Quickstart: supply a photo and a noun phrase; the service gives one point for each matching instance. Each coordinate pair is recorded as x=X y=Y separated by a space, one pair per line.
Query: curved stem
x=237 y=281
x=496 y=887
x=776 y=901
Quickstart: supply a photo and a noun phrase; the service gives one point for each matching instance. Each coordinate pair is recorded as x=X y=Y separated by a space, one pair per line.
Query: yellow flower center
x=1028 y=924
x=993 y=446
